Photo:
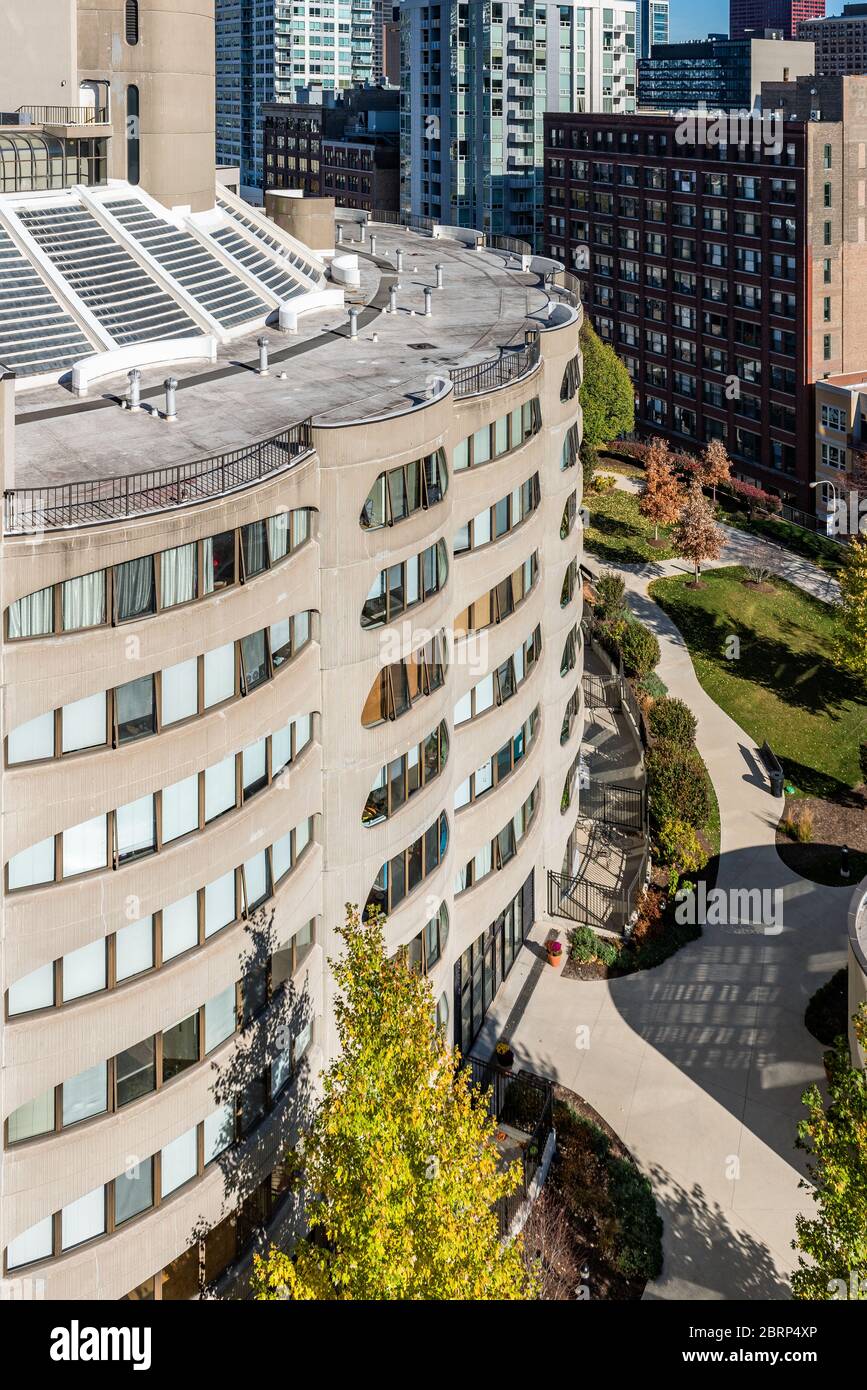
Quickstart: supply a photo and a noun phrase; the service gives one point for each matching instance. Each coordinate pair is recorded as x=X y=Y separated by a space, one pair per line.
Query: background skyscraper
x=651 y=25
x=266 y=48
x=772 y=14
x=471 y=126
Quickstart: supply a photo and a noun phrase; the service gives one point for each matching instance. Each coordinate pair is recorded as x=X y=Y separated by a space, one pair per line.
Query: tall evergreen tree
x=607 y=396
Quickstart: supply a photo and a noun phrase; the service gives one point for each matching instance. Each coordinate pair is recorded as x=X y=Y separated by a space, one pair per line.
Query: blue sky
x=694 y=19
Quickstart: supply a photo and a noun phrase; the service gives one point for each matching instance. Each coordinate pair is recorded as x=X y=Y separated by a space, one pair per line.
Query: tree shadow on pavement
x=699 y=1239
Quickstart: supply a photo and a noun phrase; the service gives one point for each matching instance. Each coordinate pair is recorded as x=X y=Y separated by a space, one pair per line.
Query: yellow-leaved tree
x=400 y=1165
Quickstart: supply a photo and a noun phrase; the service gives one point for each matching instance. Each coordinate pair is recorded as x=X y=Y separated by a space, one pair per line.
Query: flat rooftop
x=484 y=306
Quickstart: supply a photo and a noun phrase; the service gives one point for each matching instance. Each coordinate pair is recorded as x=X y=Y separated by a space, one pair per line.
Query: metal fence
x=66 y=115
x=594 y=904
x=524 y=1102
x=623 y=807
x=29 y=510
x=509 y=365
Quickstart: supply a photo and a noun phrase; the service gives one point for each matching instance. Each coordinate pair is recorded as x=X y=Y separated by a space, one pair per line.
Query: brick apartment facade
x=345 y=147
x=785 y=15
x=720 y=273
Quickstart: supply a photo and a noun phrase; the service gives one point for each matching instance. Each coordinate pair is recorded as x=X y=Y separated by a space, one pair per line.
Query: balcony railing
x=65 y=115
x=523 y=1102
x=511 y=364
x=99 y=500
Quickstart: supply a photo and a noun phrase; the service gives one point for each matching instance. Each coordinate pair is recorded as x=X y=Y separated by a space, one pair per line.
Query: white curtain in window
x=180 y=808
x=302 y=837
x=255 y=877
x=84 y=1219
x=83 y=602
x=84 y=970
x=33 y=615
x=178 y=575
x=303 y=1039
x=134 y=948
x=84 y=723
x=180 y=691
x=180 y=926
x=219 y=674
x=281 y=748
x=278 y=535
x=85 y=847
x=282 y=856
x=484 y=694
x=220 y=787
x=32 y=740
x=219 y=1018
x=135 y=826
x=220 y=903
x=134 y=587
x=484 y=777
x=85 y=1094
x=253 y=763
x=33 y=1244
x=32 y=1118
x=33 y=865
x=464 y=708
x=179 y=1162
x=219 y=1131
x=34 y=991
x=281 y=1070
x=300 y=526
x=302 y=732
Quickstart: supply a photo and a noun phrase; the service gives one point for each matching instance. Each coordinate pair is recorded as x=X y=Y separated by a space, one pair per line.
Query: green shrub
x=653 y=686
x=610 y=589
x=585 y=947
x=671 y=718
x=602 y=483
x=639 y=649
x=679 y=847
x=676 y=785
x=638 y=1236
x=589 y=461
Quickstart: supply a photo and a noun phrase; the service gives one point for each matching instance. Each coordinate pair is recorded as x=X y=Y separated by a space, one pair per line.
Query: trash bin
x=776 y=781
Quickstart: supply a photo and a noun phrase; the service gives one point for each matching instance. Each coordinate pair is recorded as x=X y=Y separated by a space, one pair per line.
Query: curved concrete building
x=316 y=640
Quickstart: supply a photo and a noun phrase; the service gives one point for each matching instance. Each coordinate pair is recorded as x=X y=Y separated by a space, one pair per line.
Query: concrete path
x=741 y=548
x=700 y=1064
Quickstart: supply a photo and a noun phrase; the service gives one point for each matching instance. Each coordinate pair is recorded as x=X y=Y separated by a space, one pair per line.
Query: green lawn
x=618 y=534
x=784 y=686
x=824 y=553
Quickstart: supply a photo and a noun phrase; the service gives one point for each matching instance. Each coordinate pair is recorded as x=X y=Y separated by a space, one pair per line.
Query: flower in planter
x=554 y=948
x=503 y=1049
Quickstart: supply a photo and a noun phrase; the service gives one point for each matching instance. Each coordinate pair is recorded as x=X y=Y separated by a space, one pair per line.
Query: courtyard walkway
x=699 y=1064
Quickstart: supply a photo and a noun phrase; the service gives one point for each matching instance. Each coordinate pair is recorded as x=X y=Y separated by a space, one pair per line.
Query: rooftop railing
x=509 y=365
x=65 y=115
x=29 y=511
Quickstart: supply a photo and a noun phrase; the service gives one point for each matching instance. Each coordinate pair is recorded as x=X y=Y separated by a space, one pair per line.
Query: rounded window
x=399 y=780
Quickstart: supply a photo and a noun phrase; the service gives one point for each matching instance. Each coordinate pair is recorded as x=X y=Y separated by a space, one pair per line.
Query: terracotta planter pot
x=554 y=957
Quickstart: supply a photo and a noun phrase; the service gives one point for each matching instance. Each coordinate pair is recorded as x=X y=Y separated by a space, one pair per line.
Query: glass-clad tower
x=476 y=78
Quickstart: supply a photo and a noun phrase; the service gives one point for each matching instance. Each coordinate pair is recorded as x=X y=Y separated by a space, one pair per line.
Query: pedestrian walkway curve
x=700 y=1063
